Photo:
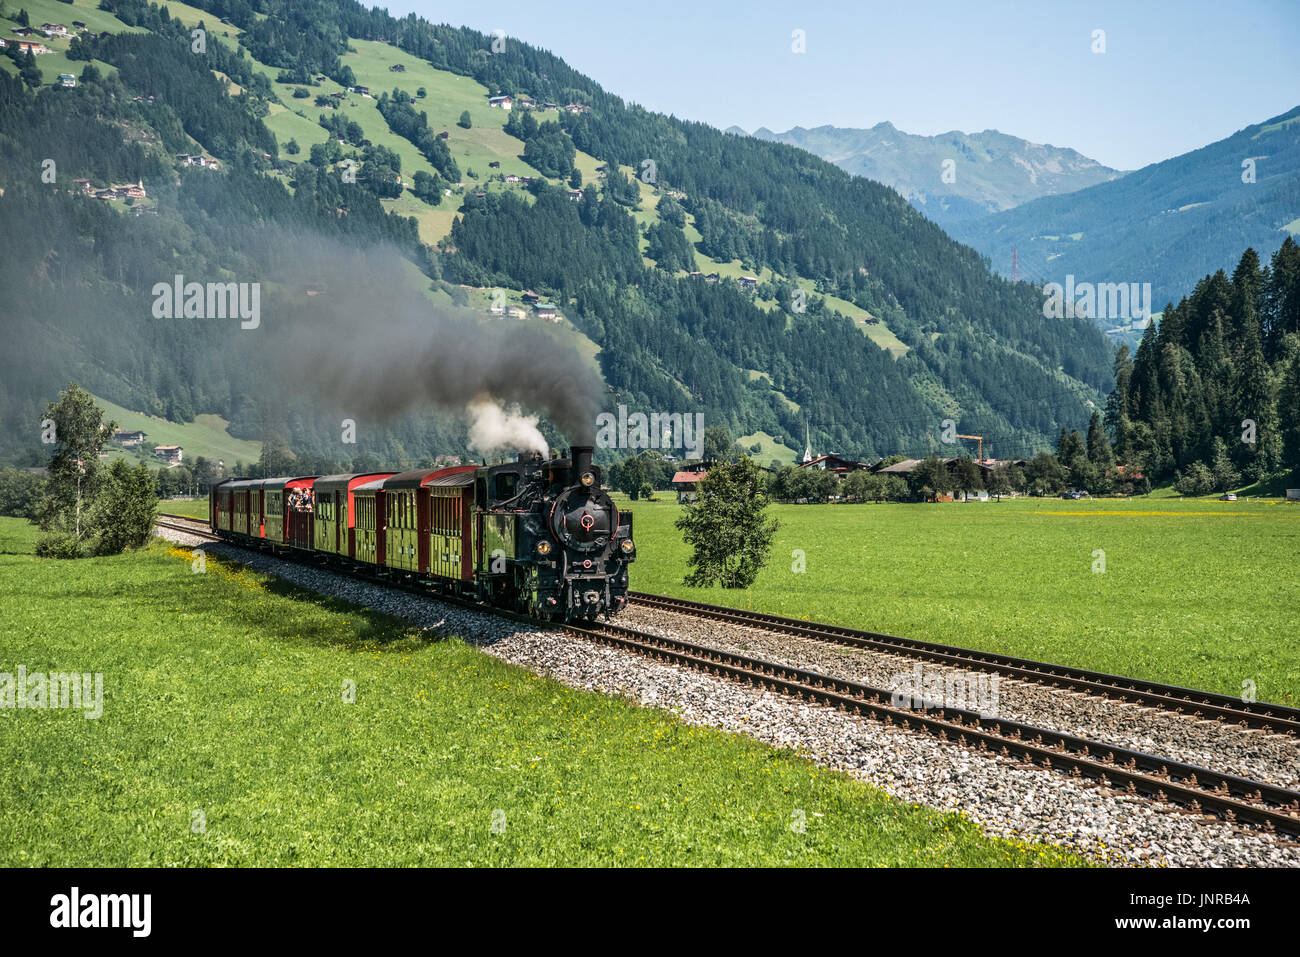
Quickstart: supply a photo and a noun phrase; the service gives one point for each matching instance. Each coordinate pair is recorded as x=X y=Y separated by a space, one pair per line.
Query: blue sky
x=1175 y=75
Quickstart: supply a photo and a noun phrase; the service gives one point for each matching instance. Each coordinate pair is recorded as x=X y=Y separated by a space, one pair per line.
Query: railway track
x=1197 y=790
x=1277 y=719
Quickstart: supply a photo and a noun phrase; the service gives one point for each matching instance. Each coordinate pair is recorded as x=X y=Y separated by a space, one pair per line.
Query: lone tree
x=728 y=527
x=465 y=122
x=88 y=509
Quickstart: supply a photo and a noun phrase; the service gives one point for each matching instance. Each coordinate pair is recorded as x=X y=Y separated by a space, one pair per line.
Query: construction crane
x=980 y=440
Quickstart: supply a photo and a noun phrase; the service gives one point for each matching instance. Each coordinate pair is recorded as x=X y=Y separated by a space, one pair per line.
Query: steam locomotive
x=541 y=537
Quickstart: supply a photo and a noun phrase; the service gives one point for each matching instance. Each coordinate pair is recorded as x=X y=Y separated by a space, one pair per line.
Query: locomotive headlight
x=627 y=545
x=587 y=479
x=543 y=548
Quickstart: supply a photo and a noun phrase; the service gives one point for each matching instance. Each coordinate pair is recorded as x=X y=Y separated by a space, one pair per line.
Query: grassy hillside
x=206 y=436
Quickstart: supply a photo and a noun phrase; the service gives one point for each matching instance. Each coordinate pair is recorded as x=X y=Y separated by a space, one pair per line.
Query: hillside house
x=687 y=484
x=512 y=178
x=575 y=194
x=530 y=296
x=546 y=310
x=747 y=282
x=28 y=46
x=78 y=26
x=21 y=31
x=128 y=438
x=54 y=29
x=577 y=108
x=501 y=102
x=363 y=90
x=85 y=185
x=171 y=454
x=526 y=102
x=67 y=79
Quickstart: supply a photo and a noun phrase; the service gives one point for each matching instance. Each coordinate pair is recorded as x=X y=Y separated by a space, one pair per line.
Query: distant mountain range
x=1169 y=224
x=953 y=177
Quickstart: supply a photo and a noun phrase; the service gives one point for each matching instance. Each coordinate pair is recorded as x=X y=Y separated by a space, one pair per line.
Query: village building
x=501 y=102
x=171 y=454
x=67 y=79
x=33 y=47
x=128 y=438
x=833 y=463
x=687 y=484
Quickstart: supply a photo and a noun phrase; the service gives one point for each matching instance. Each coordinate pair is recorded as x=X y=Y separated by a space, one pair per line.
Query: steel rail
x=1278 y=719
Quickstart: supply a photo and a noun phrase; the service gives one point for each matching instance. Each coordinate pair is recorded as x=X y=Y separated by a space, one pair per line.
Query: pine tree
x=1255 y=401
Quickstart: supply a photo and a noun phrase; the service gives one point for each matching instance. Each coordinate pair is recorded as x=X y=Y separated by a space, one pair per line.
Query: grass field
x=1197 y=593
x=225 y=740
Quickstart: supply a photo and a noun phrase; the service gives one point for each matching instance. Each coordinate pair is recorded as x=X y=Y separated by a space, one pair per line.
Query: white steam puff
x=496 y=428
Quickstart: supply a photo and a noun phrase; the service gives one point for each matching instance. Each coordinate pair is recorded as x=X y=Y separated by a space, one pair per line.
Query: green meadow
x=1197 y=592
x=226 y=739
x=1194 y=592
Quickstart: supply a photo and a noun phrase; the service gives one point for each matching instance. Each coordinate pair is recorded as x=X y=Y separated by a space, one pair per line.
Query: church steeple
x=807 y=452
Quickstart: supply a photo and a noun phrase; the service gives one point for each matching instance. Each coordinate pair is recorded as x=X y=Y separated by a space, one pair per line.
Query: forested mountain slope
x=1168 y=224
x=868 y=324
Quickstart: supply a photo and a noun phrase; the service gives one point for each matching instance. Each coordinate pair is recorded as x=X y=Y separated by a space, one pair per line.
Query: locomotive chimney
x=581 y=456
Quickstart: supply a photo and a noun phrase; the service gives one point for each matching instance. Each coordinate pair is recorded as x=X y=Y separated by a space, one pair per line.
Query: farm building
x=128 y=438
x=835 y=463
x=171 y=454
x=28 y=46
x=500 y=102
x=687 y=484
